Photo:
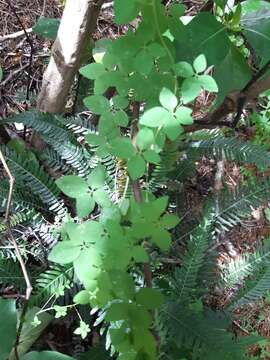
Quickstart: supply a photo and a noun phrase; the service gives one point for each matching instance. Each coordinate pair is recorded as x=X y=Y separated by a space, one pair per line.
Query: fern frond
x=11 y=274
x=21 y=201
x=54 y=161
x=203 y=334
x=159 y=175
x=74 y=155
x=31 y=176
x=58 y=136
x=236 y=270
x=233 y=206
x=47 y=125
x=185 y=279
x=254 y=289
x=19 y=218
x=230 y=148
x=54 y=280
x=79 y=125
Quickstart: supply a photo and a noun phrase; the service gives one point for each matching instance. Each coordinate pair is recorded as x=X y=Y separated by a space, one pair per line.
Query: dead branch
x=17 y=252
x=15 y=35
x=234 y=104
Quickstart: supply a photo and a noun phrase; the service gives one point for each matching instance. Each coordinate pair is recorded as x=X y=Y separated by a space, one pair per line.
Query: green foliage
x=110 y=191
x=46 y=355
x=54 y=282
x=8 y=323
x=47 y=27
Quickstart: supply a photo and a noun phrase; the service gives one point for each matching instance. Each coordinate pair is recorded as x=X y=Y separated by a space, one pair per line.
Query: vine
x=146 y=112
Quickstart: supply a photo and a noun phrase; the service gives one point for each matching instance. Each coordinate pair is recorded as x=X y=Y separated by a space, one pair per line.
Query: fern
x=232 y=149
x=54 y=281
x=59 y=137
x=186 y=278
x=31 y=176
x=236 y=270
x=19 y=218
x=53 y=160
x=203 y=333
x=11 y=275
x=232 y=206
x=254 y=289
x=160 y=174
x=21 y=201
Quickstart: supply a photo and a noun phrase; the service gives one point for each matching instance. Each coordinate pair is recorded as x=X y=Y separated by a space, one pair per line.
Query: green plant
x=122 y=177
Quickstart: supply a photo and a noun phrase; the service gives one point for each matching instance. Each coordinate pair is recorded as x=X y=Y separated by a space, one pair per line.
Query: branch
x=234 y=103
x=18 y=254
x=29 y=40
x=15 y=35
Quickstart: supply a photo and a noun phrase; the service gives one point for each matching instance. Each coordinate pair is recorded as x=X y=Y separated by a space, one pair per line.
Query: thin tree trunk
x=77 y=25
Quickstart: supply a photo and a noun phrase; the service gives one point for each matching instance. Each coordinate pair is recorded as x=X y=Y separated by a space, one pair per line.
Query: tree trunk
x=77 y=25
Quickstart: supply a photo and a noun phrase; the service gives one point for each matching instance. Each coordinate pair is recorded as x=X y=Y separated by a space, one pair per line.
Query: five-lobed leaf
x=167 y=99
x=84 y=205
x=183 y=69
x=208 y=83
x=200 y=64
x=122 y=148
x=154 y=117
x=72 y=186
x=65 y=252
x=98 y=104
x=97 y=177
x=92 y=71
x=184 y=115
x=136 y=167
x=125 y=11
x=191 y=88
x=145 y=138
x=151 y=156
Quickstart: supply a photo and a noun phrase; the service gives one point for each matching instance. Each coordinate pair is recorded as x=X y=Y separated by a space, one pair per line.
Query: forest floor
x=16 y=50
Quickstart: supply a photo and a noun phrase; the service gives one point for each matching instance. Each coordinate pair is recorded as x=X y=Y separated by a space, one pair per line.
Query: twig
x=15 y=35
x=233 y=103
x=18 y=254
x=12 y=74
x=31 y=49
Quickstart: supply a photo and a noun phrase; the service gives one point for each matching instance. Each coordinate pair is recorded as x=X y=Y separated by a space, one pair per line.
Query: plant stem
x=18 y=254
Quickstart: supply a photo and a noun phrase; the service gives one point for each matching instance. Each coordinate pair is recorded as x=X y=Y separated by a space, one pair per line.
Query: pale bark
x=77 y=24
